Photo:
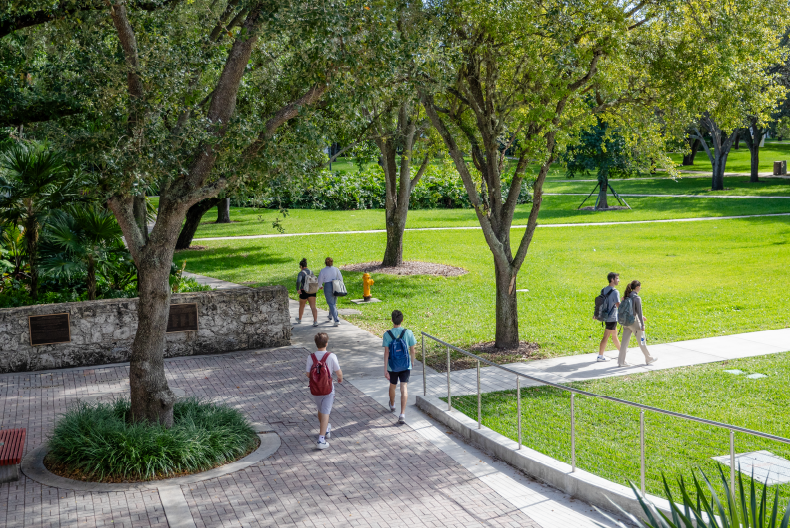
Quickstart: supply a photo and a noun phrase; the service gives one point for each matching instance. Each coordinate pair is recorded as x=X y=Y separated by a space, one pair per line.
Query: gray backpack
x=310 y=283
x=625 y=314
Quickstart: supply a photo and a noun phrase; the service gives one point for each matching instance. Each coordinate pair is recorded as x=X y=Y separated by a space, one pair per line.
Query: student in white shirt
x=325 y=278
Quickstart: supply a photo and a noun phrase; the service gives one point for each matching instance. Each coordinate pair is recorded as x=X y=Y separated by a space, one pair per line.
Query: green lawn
x=739 y=160
x=555 y=210
x=699 y=278
x=607 y=434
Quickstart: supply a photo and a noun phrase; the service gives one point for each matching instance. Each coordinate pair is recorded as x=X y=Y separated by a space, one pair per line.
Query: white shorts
x=324 y=403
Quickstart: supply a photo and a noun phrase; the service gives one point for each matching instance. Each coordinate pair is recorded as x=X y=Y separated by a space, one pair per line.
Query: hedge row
x=440 y=188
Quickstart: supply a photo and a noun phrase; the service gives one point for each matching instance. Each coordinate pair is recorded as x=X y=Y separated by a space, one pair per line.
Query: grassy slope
x=688 y=293
x=555 y=209
x=738 y=160
x=608 y=434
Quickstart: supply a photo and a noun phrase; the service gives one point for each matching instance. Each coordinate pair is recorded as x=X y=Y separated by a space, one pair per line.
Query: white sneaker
x=402 y=419
x=315 y=323
x=322 y=445
x=652 y=360
x=392 y=407
x=336 y=323
x=298 y=320
x=625 y=365
x=602 y=358
x=328 y=431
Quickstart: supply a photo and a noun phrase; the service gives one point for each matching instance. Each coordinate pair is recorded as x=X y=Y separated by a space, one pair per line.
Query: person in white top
x=325 y=278
x=324 y=403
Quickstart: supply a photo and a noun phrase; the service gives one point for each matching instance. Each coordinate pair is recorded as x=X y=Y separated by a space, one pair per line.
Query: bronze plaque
x=182 y=318
x=49 y=329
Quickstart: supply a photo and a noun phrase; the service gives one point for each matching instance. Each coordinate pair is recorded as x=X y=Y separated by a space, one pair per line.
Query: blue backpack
x=399 y=352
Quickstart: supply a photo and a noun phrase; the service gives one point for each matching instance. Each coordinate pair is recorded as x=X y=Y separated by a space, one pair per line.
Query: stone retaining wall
x=102 y=331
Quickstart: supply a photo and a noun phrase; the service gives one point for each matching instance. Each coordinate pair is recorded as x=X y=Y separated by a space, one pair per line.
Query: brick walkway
x=374 y=474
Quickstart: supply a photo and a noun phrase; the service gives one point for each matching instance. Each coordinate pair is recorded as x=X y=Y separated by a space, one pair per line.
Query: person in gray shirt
x=637 y=328
x=611 y=317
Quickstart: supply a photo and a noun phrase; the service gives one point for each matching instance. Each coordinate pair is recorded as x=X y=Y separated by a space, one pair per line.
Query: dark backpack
x=320 y=377
x=399 y=352
x=603 y=307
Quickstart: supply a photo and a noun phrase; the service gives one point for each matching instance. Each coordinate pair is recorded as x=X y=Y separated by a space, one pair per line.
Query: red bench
x=12 y=443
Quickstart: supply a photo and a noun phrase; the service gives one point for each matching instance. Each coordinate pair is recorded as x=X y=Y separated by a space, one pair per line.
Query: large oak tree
x=185 y=100
x=526 y=77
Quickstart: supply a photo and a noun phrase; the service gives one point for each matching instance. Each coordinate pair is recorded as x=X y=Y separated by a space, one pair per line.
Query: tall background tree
x=737 y=42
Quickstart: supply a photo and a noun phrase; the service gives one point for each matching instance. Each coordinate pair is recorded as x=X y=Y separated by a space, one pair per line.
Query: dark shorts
x=306 y=295
x=402 y=376
x=611 y=326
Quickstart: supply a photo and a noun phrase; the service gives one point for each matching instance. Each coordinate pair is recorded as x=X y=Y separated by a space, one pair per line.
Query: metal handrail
x=642 y=407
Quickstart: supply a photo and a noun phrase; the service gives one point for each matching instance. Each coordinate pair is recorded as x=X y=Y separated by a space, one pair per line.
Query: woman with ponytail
x=636 y=326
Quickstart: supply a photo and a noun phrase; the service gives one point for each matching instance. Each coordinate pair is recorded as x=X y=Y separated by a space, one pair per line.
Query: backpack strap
x=315 y=360
x=392 y=336
x=324 y=358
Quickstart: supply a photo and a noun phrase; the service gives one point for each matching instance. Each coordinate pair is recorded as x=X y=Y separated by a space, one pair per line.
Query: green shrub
x=98 y=441
x=440 y=187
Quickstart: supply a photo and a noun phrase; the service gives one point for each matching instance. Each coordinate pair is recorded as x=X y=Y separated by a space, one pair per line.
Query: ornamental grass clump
x=98 y=442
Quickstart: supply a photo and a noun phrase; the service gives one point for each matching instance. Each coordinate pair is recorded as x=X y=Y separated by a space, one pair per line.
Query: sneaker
x=315 y=323
x=322 y=445
x=392 y=407
x=298 y=320
x=402 y=419
x=328 y=431
x=651 y=361
x=602 y=358
x=337 y=323
x=624 y=365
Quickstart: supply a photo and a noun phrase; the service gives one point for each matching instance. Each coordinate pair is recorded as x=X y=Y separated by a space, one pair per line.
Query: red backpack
x=320 y=377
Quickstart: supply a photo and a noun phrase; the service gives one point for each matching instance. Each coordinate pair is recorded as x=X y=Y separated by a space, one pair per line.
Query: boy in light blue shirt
x=393 y=342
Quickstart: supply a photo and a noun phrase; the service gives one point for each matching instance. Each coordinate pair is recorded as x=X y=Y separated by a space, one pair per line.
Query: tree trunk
x=688 y=159
x=223 y=211
x=151 y=398
x=194 y=215
x=396 y=224
x=719 y=163
x=31 y=237
x=141 y=215
x=755 y=160
x=603 y=202
x=737 y=144
x=506 y=307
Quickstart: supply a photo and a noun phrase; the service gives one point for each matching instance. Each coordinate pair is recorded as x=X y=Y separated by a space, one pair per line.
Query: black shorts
x=306 y=295
x=611 y=326
x=403 y=376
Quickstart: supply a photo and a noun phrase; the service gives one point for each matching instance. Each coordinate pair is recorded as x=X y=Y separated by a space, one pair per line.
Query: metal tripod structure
x=598 y=197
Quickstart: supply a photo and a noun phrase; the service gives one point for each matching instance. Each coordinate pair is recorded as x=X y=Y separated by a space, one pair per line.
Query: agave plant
x=708 y=511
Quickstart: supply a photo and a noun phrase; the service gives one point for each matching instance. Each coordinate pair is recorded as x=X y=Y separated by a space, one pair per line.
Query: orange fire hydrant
x=367 y=282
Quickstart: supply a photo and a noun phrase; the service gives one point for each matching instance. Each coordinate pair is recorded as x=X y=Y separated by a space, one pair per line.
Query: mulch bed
x=526 y=351
x=408 y=268
x=613 y=208
x=63 y=470
x=192 y=248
